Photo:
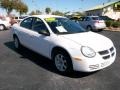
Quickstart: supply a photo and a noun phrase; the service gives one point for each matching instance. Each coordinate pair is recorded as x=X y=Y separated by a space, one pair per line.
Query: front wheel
x=2 y=27
x=62 y=62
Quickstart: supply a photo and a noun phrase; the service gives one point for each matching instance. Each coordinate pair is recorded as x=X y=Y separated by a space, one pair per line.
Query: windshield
x=64 y=26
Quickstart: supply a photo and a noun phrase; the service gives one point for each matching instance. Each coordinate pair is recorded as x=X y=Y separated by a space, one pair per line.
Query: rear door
x=35 y=35
x=84 y=22
x=25 y=30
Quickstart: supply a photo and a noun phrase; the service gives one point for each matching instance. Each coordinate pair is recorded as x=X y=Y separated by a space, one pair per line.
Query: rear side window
x=27 y=23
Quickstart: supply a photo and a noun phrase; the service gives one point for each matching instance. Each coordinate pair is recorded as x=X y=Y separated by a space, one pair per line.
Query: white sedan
x=93 y=23
x=4 y=24
x=64 y=41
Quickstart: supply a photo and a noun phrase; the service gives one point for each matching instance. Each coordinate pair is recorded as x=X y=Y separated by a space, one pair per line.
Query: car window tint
x=64 y=26
x=27 y=23
x=96 y=18
x=38 y=25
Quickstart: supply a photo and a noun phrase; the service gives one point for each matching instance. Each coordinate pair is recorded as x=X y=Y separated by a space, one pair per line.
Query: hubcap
x=16 y=42
x=60 y=62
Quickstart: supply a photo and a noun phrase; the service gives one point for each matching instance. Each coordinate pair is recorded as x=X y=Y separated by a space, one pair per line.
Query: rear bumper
x=99 y=26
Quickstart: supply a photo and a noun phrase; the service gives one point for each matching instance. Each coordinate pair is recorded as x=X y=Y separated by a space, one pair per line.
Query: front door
x=40 y=38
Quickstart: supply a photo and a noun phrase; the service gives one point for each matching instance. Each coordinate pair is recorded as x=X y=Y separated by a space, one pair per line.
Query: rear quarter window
x=27 y=23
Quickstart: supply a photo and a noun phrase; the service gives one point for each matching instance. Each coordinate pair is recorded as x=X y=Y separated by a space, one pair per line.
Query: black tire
x=96 y=30
x=66 y=64
x=17 y=43
x=89 y=28
x=2 y=27
x=99 y=30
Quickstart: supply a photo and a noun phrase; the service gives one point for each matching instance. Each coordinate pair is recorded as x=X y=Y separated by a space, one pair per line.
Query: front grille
x=106 y=57
x=111 y=49
x=106 y=54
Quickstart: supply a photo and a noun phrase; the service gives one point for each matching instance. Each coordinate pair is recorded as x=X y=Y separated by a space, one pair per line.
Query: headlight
x=88 y=52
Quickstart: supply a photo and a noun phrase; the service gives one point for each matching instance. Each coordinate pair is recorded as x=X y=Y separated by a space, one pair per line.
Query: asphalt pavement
x=26 y=70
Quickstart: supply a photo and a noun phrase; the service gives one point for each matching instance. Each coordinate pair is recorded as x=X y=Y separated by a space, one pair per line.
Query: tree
x=58 y=13
x=10 y=5
x=48 y=10
x=32 y=13
x=79 y=13
x=21 y=8
x=37 y=12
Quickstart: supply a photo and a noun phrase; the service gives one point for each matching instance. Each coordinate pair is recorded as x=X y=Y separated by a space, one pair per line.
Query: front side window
x=27 y=23
x=64 y=26
x=39 y=26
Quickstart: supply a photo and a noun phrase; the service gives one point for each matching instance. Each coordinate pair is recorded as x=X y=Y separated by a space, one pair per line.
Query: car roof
x=46 y=16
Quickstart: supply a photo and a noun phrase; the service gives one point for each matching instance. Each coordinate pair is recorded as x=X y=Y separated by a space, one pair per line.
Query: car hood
x=93 y=40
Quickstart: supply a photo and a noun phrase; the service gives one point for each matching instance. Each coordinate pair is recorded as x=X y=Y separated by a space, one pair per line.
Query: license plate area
x=104 y=64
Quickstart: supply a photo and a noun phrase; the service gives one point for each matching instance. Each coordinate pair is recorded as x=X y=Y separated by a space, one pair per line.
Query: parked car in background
x=76 y=19
x=19 y=18
x=93 y=23
x=4 y=24
x=65 y=42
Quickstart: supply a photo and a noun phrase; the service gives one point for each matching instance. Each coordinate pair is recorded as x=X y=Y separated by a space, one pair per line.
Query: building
x=111 y=10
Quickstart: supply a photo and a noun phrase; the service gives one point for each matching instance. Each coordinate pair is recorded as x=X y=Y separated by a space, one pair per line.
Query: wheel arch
x=14 y=35
x=58 y=48
x=89 y=26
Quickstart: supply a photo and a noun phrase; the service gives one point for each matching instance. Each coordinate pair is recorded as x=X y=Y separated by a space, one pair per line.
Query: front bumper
x=93 y=64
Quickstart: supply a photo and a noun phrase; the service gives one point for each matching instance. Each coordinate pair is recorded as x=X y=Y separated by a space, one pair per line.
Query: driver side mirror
x=44 y=32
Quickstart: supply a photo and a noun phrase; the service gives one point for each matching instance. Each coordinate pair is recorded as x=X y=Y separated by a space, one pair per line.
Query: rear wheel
x=89 y=28
x=96 y=30
x=2 y=27
x=17 y=43
x=62 y=62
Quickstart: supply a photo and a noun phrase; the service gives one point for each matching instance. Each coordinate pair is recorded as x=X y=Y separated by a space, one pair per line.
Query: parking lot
x=26 y=70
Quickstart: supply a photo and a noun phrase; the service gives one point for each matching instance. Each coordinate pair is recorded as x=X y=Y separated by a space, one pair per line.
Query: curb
x=112 y=29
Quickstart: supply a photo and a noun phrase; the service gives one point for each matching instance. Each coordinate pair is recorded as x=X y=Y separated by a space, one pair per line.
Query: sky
x=61 y=5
